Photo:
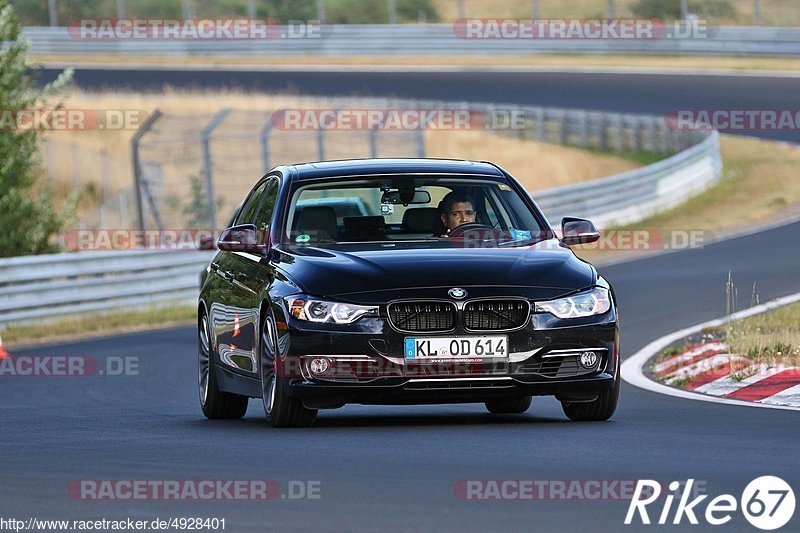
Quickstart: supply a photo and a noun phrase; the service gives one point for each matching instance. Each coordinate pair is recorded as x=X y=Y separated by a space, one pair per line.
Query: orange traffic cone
x=3 y=353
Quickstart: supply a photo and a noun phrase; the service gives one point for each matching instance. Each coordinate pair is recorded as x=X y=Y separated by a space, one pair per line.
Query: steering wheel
x=470 y=226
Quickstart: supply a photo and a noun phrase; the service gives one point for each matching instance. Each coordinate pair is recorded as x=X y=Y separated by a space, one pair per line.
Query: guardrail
x=424 y=40
x=51 y=286
x=59 y=285
x=637 y=194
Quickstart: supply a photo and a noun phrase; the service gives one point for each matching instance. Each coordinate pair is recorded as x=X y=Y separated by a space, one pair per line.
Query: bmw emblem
x=457 y=293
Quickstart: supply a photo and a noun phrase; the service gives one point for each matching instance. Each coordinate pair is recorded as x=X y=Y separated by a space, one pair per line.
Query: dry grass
x=539 y=165
x=108 y=323
x=759 y=185
x=774 y=336
x=478 y=61
x=773 y=12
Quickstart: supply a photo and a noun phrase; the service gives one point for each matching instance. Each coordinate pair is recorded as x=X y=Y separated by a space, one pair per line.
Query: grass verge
x=758 y=186
x=701 y=63
x=98 y=325
x=774 y=335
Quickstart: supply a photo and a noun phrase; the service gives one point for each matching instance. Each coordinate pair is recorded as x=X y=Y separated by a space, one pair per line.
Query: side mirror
x=578 y=231
x=242 y=238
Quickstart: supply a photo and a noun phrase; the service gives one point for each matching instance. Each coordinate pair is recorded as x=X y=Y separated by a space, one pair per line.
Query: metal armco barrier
x=424 y=39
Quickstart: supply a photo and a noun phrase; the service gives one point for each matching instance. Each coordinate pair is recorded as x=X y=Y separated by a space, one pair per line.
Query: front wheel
x=281 y=410
x=509 y=407
x=214 y=403
x=598 y=410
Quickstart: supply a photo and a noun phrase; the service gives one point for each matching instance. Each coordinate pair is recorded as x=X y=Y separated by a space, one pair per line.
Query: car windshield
x=478 y=210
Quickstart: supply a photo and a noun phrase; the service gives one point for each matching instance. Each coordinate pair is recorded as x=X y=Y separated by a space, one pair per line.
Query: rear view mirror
x=395 y=197
x=242 y=238
x=578 y=231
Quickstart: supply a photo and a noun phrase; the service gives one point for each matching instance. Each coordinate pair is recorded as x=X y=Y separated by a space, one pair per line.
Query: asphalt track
x=395 y=467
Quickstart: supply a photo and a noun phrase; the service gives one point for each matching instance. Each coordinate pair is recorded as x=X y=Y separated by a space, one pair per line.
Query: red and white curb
x=711 y=369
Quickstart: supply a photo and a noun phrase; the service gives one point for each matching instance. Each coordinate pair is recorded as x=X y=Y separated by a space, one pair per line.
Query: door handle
x=227 y=275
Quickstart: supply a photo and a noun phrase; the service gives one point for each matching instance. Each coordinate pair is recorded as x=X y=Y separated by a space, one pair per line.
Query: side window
x=247 y=214
x=264 y=214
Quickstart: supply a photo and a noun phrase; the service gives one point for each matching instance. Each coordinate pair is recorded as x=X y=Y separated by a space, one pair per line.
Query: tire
x=596 y=411
x=214 y=403
x=281 y=411
x=508 y=407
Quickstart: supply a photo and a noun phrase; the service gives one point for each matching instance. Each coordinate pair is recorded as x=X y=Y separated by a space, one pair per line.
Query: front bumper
x=367 y=364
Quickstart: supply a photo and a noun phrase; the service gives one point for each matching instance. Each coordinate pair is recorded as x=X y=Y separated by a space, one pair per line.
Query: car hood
x=543 y=270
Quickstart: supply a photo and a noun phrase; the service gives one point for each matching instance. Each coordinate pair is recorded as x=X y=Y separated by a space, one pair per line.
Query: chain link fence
x=193 y=170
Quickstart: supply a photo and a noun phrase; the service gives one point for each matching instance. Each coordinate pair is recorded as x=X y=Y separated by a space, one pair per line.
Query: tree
x=28 y=216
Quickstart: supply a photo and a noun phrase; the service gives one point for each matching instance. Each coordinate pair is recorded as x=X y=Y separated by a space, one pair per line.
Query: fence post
x=584 y=129
x=651 y=132
x=76 y=166
x=541 y=124
x=321 y=144
x=562 y=130
x=137 y=167
x=263 y=136
x=51 y=7
x=612 y=9
x=208 y=163
x=391 y=6
x=637 y=134
x=48 y=159
x=421 y=142
x=621 y=132
x=104 y=186
x=373 y=141
x=603 y=132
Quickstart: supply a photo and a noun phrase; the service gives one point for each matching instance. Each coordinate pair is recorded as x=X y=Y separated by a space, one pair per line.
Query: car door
x=233 y=324
x=249 y=274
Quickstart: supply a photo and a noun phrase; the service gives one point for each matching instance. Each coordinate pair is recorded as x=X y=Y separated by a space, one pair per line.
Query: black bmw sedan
x=402 y=281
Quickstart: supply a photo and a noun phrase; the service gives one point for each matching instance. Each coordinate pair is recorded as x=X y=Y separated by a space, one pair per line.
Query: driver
x=455 y=209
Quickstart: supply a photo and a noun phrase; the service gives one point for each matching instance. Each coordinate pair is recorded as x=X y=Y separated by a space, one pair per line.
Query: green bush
x=28 y=216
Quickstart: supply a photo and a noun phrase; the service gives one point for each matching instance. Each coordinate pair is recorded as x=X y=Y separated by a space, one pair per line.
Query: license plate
x=456 y=347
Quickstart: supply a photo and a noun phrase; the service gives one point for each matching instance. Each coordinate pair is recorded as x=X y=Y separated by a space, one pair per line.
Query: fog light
x=319 y=365
x=588 y=359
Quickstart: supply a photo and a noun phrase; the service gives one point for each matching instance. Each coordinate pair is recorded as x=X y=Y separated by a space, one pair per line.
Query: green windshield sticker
x=303 y=238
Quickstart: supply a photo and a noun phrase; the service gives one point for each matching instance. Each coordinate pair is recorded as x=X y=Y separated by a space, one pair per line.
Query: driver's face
x=460 y=213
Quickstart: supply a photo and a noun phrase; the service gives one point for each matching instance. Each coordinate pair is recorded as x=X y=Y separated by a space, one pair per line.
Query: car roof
x=367 y=167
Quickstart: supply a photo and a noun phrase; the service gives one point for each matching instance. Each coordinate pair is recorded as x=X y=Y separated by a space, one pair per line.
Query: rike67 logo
x=767 y=503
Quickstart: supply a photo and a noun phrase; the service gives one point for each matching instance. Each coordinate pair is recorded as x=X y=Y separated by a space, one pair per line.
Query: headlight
x=305 y=308
x=593 y=302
